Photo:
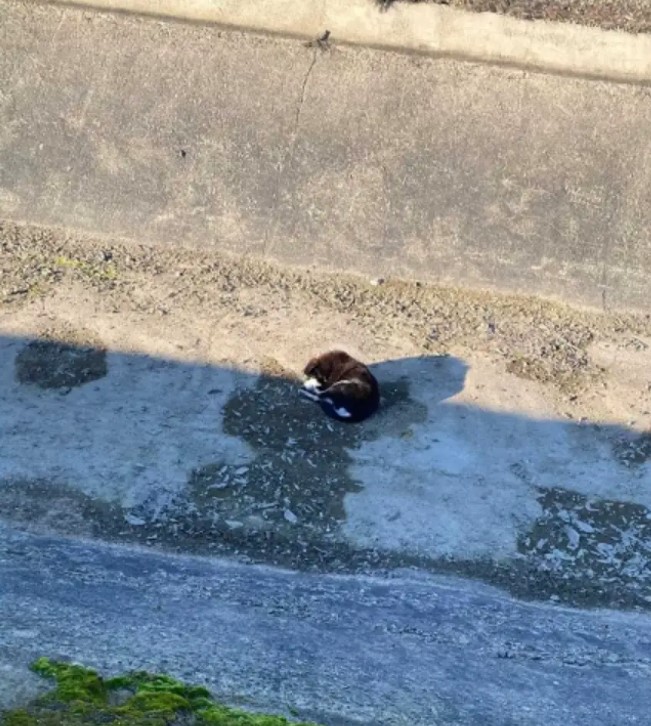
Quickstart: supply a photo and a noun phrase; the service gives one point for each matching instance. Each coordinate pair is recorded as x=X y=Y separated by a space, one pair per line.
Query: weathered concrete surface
x=429 y=652
x=208 y=459
x=142 y=402
x=350 y=159
x=422 y=28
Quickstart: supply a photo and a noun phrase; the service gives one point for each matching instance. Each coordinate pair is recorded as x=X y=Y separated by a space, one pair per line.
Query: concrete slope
x=348 y=159
x=406 y=650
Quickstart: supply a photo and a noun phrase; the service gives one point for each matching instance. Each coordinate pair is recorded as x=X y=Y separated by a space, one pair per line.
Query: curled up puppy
x=345 y=389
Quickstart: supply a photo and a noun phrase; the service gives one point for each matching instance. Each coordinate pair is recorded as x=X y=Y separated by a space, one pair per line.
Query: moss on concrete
x=101 y=271
x=82 y=697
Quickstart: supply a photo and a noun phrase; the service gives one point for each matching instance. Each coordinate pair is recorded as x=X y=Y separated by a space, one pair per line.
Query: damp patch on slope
x=578 y=537
x=60 y=360
x=299 y=476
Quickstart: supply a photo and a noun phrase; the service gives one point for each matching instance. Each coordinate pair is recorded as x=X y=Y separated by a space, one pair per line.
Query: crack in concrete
x=289 y=154
x=385 y=202
x=299 y=109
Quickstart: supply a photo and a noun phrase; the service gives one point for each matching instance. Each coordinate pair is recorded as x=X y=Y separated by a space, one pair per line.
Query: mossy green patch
x=74 y=682
x=19 y=717
x=82 y=697
x=103 y=271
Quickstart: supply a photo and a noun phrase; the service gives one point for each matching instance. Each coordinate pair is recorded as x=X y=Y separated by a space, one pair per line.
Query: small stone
x=256 y=523
x=290 y=516
x=133 y=520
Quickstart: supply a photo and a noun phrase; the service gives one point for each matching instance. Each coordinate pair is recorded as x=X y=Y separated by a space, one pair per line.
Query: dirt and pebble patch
x=579 y=537
x=535 y=339
x=633 y=16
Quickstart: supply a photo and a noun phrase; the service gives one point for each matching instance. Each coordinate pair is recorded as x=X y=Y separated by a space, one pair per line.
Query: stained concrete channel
x=478 y=553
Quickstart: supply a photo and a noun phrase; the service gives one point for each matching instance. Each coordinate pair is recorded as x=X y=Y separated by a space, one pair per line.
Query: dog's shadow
x=301 y=455
x=443 y=377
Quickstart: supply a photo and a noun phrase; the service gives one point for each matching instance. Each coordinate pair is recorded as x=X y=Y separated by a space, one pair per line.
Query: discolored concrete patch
x=299 y=476
x=127 y=439
x=579 y=537
x=633 y=451
x=61 y=360
x=207 y=459
x=44 y=505
x=288 y=505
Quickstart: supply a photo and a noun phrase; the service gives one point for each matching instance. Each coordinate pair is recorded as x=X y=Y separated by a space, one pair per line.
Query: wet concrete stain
x=633 y=452
x=50 y=363
x=299 y=477
x=579 y=537
x=284 y=508
x=43 y=506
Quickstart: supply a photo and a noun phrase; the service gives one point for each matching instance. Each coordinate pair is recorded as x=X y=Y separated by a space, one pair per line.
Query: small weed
x=96 y=271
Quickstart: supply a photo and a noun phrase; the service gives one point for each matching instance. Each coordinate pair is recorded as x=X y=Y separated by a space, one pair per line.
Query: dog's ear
x=311 y=366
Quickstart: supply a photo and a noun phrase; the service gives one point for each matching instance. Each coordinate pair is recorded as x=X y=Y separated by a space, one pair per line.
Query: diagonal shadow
x=213 y=460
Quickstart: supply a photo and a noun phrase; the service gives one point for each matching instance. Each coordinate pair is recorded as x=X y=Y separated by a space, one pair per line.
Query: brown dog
x=345 y=389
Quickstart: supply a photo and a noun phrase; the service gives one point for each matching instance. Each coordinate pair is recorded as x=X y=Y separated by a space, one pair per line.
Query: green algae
x=81 y=697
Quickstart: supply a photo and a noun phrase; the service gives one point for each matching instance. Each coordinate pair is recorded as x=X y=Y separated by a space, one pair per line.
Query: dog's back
x=344 y=387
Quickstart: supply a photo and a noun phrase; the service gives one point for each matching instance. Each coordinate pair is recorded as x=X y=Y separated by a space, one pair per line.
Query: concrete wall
x=424 y=28
x=352 y=159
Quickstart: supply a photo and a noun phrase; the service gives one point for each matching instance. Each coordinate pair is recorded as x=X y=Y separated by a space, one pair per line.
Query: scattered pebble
x=134 y=521
x=290 y=516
